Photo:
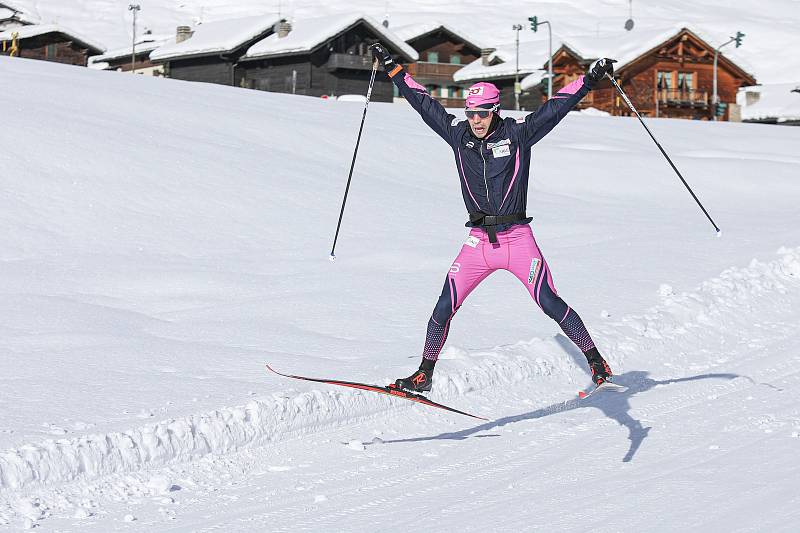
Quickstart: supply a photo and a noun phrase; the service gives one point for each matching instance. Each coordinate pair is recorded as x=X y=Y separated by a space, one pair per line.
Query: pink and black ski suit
x=494 y=175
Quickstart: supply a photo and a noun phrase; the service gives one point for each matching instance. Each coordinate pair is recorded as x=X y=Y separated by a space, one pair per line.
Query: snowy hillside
x=769 y=49
x=161 y=241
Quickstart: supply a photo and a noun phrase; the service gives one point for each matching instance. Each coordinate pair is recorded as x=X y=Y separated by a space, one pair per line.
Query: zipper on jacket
x=485 y=183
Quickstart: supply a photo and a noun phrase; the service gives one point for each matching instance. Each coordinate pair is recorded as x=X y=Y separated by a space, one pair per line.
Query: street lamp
x=517 y=88
x=738 y=40
x=535 y=27
x=135 y=8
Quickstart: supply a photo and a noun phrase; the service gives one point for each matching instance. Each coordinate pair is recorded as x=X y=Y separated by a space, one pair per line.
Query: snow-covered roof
x=414 y=31
x=532 y=55
x=307 y=34
x=148 y=44
x=25 y=32
x=218 y=37
x=624 y=46
x=776 y=101
x=25 y=11
x=627 y=46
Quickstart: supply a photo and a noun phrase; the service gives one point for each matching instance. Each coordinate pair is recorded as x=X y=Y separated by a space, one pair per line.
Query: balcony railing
x=349 y=62
x=451 y=102
x=433 y=70
x=677 y=97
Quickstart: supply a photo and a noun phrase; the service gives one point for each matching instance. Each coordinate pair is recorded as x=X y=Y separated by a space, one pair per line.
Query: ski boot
x=419 y=381
x=601 y=372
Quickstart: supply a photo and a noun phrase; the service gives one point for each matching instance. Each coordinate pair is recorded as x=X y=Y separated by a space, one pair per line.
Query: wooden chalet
x=210 y=52
x=442 y=52
x=49 y=42
x=665 y=75
x=322 y=57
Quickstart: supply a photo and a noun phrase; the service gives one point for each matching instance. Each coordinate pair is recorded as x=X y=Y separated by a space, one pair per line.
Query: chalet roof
x=503 y=62
x=308 y=34
x=35 y=30
x=777 y=101
x=410 y=32
x=148 y=44
x=220 y=37
x=24 y=10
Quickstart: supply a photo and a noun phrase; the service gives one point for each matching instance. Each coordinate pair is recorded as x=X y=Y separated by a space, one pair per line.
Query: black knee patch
x=444 y=307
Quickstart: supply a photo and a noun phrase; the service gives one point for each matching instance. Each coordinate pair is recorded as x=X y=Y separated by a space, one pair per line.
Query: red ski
x=391 y=390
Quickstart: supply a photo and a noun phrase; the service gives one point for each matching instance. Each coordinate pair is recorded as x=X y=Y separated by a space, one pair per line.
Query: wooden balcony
x=451 y=102
x=679 y=98
x=442 y=71
x=349 y=62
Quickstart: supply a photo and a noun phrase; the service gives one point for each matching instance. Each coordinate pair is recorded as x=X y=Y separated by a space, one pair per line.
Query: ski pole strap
x=488 y=222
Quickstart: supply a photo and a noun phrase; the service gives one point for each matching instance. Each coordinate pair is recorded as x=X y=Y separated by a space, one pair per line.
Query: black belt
x=488 y=222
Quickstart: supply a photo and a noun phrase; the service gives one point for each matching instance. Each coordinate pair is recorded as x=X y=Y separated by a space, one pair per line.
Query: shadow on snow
x=614 y=405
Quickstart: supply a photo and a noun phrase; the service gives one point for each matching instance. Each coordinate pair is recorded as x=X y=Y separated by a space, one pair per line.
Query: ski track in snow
x=64 y=476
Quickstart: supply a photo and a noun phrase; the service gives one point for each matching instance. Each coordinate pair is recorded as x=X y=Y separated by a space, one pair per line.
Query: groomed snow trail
x=706 y=395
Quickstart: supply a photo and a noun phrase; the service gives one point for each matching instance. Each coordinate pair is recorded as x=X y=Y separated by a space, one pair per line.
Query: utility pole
x=135 y=8
x=715 y=98
x=517 y=88
x=535 y=27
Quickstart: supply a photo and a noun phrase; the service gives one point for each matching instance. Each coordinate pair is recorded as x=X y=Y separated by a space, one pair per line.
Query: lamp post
x=535 y=27
x=738 y=40
x=135 y=8
x=517 y=88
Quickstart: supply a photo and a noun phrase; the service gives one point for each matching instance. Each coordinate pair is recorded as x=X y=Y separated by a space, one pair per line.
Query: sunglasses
x=482 y=113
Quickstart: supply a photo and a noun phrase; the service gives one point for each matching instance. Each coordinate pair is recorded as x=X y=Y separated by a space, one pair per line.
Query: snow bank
x=720 y=303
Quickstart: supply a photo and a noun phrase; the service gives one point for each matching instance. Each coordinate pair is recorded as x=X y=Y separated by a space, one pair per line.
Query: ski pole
x=627 y=101
x=355 y=152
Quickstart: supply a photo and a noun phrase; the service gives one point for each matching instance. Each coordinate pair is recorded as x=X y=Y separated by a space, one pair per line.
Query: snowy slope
x=162 y=240
x=769 y=49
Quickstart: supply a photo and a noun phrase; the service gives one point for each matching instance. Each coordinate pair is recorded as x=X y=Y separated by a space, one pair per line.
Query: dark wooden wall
x=54 y=47
x=210 y=69
x=314 y=78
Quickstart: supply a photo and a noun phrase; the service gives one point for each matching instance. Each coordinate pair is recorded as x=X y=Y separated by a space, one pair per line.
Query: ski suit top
x=494 y=170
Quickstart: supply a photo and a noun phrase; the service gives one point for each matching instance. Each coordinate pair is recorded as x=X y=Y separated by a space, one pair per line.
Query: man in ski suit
x=492 y=157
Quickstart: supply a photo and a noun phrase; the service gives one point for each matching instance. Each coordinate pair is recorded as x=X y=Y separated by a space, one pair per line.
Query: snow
x=529 y=55
x=25 y=32
x=147 y=44
x=307 y=34
x=162 y=241
x=416 y=30
x=24 y=9
x=216 y=37
x=779 y=101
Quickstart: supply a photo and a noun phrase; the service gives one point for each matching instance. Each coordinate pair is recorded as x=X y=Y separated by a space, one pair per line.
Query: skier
x=492 y=156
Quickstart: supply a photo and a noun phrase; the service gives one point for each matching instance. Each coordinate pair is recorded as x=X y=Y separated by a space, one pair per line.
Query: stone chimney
x=284 y=28
x=485 y=53
x=183 y=33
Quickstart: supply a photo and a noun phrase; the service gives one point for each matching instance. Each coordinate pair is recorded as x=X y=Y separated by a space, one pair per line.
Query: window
x=444 y=92
x=431 y=89
x=51 y=51
x=664 y=80
x=455 y=91
x=455 y=59
x=685 y=81
x=433 y=57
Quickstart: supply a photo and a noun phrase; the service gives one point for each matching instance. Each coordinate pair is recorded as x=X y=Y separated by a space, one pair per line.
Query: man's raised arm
x=431 y=111
x=539 y=123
